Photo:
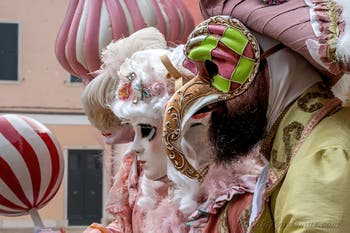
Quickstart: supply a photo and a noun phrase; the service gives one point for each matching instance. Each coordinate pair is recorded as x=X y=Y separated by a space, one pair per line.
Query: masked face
x=148 y=146
x=118 y=135
x=195 y=142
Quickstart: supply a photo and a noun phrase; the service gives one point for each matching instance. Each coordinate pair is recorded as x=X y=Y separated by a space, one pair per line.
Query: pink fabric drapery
x=316 y=29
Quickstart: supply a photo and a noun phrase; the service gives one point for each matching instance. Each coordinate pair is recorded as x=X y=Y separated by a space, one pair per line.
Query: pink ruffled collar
x=221 y=184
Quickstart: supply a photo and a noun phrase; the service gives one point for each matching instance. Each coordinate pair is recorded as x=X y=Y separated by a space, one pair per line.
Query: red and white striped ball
x=31 y=165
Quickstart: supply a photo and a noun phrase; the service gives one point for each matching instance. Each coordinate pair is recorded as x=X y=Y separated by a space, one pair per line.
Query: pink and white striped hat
x=89 y=26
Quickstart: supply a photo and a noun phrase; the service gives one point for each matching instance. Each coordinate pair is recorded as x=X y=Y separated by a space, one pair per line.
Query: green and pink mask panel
x=230 y=50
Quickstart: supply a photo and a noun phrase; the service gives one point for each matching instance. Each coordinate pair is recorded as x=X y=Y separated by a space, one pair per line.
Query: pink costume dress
x=227 y=191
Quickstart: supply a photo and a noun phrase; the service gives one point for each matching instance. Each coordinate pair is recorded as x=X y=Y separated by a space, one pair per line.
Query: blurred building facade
x=33 y=83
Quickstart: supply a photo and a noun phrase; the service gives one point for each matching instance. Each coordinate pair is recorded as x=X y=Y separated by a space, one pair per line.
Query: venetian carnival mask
x=117 y=135
x=227 y=58
x=148 y=146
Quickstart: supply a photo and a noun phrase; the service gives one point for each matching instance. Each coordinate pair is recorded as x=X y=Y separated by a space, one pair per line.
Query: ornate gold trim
x=172 y=131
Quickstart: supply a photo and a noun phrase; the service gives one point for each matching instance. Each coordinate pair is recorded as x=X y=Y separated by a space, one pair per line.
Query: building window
x=9 y=51
x=75 y=79
x=85 y=185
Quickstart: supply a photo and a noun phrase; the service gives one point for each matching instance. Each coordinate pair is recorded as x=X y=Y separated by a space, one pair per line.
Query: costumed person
x=97 y=98
x=216 y=181
x=258 y=90
x=144 y=88
x=135 y=194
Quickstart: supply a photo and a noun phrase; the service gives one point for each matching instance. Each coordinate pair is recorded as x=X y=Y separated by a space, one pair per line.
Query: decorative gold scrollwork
x=172 y=129
x=307 y=102
x=291 y=135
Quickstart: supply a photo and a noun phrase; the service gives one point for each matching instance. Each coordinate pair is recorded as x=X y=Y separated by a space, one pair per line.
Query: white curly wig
x=100 y=92
x=144 y=88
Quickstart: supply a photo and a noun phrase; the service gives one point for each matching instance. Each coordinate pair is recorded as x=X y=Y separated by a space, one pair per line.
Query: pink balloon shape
x=31 y=165
x=89 y=26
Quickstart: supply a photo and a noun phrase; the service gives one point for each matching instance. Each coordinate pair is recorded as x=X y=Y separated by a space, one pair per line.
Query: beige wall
x=77 y=135
x=42 y=81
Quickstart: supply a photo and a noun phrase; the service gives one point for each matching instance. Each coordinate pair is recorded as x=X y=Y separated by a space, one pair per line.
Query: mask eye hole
x=148 y=131
x=211 y=68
